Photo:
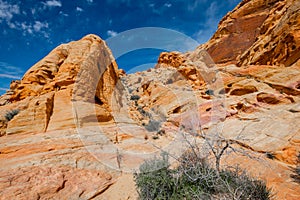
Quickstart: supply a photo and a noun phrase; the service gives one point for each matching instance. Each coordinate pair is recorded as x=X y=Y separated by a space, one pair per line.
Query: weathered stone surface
x=172 y=59
x=255 y=106
x=3 y=126
x=197 y=69
x=53 y=183
x=258 y=32
x=284 y=80
x=83 y=70
x=278 y=41
x=54 y=165
x=35 y=118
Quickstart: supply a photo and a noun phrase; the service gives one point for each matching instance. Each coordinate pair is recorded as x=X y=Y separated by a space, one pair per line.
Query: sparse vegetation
x=135 y=97
x=270 y=155
x=209 y=92
x=197 y=176
x=130 y=90
x=153 y=125
x=194 y=178
x=11 y=114
x=296 y=174
x=143 y=112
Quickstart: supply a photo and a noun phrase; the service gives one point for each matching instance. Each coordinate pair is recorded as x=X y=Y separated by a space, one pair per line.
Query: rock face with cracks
x=258 y=32
x=83 y=70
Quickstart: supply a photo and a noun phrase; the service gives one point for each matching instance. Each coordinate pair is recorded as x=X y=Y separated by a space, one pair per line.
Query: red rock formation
x=83 y=70
x=256 y=104
x=172 y=59
x=258 y=32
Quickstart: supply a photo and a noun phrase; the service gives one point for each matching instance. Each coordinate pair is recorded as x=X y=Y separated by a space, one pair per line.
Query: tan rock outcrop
x=170 y=59
x=279 y=38
x=35 y=118
x=255 y=106
x=53 y=183
x=83 y=70
x=52 y=165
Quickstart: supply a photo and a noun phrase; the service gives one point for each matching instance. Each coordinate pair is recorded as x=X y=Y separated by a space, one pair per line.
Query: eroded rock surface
x=83 y=70
x=258 y=32
x=251 y=99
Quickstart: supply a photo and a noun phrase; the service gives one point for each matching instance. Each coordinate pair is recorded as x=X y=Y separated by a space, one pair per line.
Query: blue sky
x=30 y=29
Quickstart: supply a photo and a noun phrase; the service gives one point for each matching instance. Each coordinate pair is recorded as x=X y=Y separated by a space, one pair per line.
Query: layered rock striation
x=250 y=97
x=258 y=32
x=83 y=70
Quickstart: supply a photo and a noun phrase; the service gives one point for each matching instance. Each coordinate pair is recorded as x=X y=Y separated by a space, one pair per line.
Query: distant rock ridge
x=258 y=32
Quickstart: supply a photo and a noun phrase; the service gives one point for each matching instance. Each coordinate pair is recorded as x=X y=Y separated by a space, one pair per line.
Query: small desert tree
x=194 y=178
x=11 y=114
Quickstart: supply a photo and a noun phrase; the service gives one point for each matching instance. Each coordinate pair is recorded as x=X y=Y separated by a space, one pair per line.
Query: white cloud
x=12 y=25
x=3 y=89
x=33 y=11
x=78 y=9
x=90 y=1
x=111 y=33
x=9 y=76
x=9 y=71
x=31 y=28
x=27 y=28
x=52 y=3
x=168 y=5
x=210 y=24
x=191 y=7
x=7 y=11
x=63 y=14
x=38 y=26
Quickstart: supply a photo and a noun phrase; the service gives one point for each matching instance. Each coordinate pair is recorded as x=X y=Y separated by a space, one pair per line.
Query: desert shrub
x=130 y=90
x=153 y=125
x=209 y=92
x=135 y=97
x=296 y=174
x=194 y=178
x=143 y=112
x=169 y=81
x=11 y=114
x=154 y=179
x=270 y=155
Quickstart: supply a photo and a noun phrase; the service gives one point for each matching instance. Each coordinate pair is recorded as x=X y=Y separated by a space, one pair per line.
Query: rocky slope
x=38 y=162
x=74 y=125
x=258 y=32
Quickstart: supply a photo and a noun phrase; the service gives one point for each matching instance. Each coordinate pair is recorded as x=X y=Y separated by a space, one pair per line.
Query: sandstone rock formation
x=261 y=92
x=55 y=164
x=251 y=98
x=83 y=70
x=258 y=32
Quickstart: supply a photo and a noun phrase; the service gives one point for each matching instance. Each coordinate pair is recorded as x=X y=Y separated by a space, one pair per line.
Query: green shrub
x=11 y=114
x=135 y=97
x=209 y=92
x=154 y=179
x=194 y=178
x=153 y=125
